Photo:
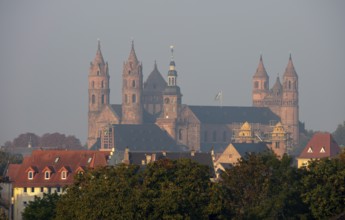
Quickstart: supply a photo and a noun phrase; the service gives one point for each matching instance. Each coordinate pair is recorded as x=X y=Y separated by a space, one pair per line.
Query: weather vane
x=172 y=51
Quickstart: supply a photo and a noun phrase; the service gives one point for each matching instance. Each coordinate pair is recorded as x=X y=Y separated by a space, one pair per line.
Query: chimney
x=126 y=156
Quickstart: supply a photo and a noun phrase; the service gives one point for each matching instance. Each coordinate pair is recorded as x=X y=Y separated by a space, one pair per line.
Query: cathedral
x=153 y=117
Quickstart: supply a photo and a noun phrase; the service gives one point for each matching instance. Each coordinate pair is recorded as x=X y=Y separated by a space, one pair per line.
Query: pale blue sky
x=46 y=48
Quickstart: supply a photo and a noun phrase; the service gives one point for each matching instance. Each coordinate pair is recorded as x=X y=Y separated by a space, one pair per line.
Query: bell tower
x=260 y=84
x=132 y=88
x=172 y=100
x=98 y=92
x=289 y=110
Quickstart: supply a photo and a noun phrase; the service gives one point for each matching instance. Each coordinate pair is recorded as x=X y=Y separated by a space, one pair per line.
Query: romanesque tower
x=289 y=110
x=172 y=100
x=260 y=84
x=132 y=110
x=98 y=92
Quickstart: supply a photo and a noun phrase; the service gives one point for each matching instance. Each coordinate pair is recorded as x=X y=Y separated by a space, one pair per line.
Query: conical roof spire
x=132 y=56
x=261 y=71
x=290 y=69
x=99 y=57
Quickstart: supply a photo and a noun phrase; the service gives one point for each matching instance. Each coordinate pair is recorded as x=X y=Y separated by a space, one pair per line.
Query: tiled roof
x=199 y=157
x=54 y=161
x=243 y=148
x=145 y=137
x=230 y=114
x=319 y=146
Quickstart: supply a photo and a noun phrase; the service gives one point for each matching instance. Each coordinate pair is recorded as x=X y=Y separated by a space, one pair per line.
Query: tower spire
x=132 y=55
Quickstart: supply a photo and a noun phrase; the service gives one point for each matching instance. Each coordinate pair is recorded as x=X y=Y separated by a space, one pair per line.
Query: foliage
x=55 y=140
x=41 y=208
x=104 y=193
x=262 y=186
x=324 y=187
x=6 y=158
x=176 y=190
x=339 y=134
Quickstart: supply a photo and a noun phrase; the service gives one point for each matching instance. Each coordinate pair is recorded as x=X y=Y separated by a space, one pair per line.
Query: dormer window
x=30 y=175
x=322 y=150
x=64 y=175
x=47 y=175
x=310 y=150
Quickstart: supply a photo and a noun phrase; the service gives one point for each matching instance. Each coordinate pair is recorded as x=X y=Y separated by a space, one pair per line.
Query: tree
x=41 y=208
x=104 y=193
x=262 y=186
x=324 y=187
x=176 y=189
x=57 y=140
x=23 y=140
x=339 y=134
x=6 y=158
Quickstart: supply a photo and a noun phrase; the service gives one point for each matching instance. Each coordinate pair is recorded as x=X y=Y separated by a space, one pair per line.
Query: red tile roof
x=320 y=145
x=54 y=161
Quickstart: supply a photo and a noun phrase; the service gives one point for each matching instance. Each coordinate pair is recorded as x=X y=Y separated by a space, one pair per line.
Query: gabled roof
x=147 y=117
x=244 y=148
x=44 y=160
x=319 y=146
x=230 y=114
x=199 y=157
x=145 y=137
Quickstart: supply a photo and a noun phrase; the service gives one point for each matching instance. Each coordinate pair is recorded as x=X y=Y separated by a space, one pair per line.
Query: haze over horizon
x=46 y=48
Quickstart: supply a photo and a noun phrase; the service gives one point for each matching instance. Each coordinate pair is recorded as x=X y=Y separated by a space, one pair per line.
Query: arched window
x=102 y=99
x=47 y=175
x=134 y=98
x=102 y=85
x=64 y=175
x=224 y=136
x=214 y=136
x=126 y=99
x=180 y=134
x=133 y=83
x=173 y=81
x=30 y=175
x=256 y=84
x=93 y=99
x=129 y=72
x=289 y=84
x=93 y=84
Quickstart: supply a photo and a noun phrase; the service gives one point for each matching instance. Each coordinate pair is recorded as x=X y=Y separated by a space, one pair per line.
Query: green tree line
x=260 y=186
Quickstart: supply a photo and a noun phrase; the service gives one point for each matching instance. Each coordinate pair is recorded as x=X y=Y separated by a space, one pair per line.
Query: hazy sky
x=46 y=48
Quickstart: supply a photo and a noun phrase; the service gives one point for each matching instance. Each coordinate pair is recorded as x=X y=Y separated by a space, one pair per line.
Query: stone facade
x=193 y=127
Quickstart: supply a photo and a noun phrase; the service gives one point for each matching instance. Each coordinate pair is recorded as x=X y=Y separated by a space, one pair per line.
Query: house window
x=63 y=175
x=58 y=189
x=42 y=189
x=98 y=73
x=32 y=189
x=49 y=190
x=25 y=189
x=93 y=99
x=310 y=150
x=133 y=83
x=134 y=98
x=30 y=175
x=180 y=134
x=47 y=175
x=277 y=145
x=102 y=99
